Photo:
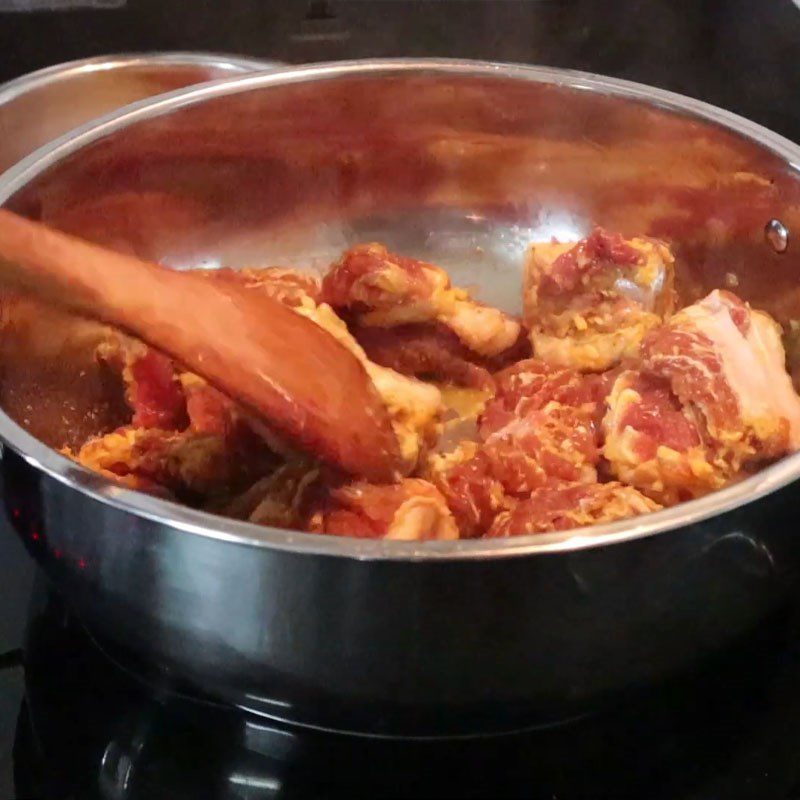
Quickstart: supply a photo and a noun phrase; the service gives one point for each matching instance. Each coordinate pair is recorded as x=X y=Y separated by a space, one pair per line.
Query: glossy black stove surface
x=82 y=727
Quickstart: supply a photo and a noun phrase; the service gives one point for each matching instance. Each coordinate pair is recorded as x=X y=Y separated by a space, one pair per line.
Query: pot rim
x=16 y=87
x=164 y=512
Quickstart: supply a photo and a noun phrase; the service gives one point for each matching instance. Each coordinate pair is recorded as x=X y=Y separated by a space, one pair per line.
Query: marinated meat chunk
x=557 y=443
x=382 y=289
x=565 y=506
x=152 y=390
x=541 y=428
x=531 y=384
x=209 y=411
x=589 y=304
x=425 y=351
x=185 y=463
x=727 y=362
x=409 y=316
x=711 y=398
x=466 y=479
x=657 y=444
x=160 y=396
x=411 y=510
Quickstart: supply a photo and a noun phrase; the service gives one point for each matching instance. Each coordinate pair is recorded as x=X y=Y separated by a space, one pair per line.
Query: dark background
x=740 y=54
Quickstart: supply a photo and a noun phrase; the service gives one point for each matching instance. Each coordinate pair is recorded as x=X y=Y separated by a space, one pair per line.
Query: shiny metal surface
x=461 y=163
x=777 y=235
x=38 y=107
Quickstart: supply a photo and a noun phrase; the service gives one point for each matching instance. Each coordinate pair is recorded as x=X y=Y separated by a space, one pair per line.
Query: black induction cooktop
x=75 y=724
x=84 y=727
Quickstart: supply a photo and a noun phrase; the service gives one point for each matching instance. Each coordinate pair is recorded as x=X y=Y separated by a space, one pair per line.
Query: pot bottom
x=389 y=721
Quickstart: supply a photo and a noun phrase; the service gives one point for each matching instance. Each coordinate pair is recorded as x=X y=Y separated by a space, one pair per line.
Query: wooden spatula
x=288 y=371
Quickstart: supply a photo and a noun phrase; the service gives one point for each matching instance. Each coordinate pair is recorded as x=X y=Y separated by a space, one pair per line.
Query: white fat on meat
x=754 y=365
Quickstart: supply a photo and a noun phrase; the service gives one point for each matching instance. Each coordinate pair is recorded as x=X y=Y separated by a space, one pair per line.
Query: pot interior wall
x=462 y=170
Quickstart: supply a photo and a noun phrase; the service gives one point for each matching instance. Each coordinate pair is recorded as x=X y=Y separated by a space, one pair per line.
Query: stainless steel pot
x=38 y=107
x=462 y=163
